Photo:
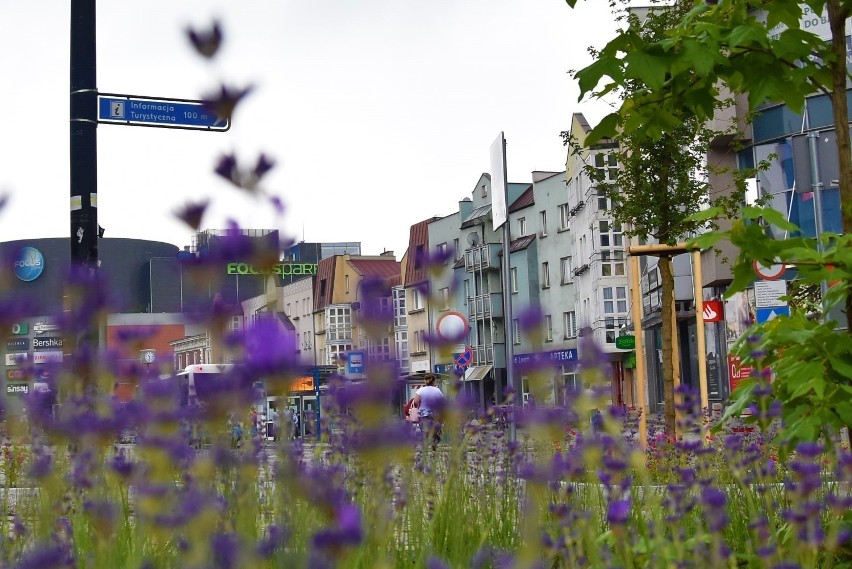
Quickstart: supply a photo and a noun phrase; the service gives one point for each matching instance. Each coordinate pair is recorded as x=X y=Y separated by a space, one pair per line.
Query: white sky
x=378 y=113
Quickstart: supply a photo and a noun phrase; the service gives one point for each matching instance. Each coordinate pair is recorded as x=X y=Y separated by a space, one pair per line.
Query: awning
x=476 y=373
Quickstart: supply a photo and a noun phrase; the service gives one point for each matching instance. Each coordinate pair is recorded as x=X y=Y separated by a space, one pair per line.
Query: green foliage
x=810 y=360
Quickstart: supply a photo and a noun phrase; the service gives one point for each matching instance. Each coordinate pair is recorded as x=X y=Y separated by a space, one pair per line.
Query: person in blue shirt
x=429 y=401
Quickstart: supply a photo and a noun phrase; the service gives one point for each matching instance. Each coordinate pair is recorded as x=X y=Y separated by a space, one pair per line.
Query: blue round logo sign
x=29 y=264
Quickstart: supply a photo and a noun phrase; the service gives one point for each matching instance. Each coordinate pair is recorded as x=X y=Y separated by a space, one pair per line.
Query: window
x=466 y=290
x=610 y=234
x=545 y=275
x=322 y=289
x=484 y=192
x=346 y=285
x=612 y=263
x=456 y=250
x=513 y=274
x=445 y=298
x=616 y=304
x=542 y=222
x=400 y=317
x=516 y=331
x=418 y=299
x=566 y=269
x=569 y=319
x=569 y=385
x=603 y=200
x=288 y=313
x=336 y=352
x=548 y=328
x=339 y=324
x=522 y=226
x=564 y=216
x=442 y=251
x=607 y=164
x=297 y=308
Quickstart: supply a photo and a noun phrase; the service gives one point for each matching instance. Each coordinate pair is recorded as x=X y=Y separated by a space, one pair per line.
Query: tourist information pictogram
x=158 y=112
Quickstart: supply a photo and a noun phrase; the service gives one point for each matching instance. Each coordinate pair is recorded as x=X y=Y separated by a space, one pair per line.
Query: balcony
x=482 y=257
x=485 y=306
x=580 y=205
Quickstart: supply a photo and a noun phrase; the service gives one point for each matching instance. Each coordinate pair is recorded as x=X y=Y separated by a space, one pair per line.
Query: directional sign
x=768 y=313
x=158 y=112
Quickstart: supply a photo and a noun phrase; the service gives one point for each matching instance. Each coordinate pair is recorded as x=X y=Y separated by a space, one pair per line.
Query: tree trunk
x=667 y=300
x=837 y=16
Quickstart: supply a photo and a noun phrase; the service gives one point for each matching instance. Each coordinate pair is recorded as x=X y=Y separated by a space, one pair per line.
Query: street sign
x=770 y=273
x=625 y=342
x=463 y=359
x=768 y=313
x=769 y=293
x=158 y=112
x=452 y=327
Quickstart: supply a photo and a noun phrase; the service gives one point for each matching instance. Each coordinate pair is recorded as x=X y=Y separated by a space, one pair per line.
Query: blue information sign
x=770 y=312
x=148 y=111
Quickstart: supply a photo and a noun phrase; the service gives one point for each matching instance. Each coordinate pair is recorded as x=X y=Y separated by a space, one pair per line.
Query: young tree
x=661 y=182
x=750 y=47
x=767 y=52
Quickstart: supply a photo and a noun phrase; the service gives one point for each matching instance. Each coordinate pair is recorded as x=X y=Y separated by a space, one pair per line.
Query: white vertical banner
x=499 y=208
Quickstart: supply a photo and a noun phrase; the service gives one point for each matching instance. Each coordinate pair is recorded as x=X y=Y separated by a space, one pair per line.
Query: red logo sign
x=738 y=371
x=714 y=311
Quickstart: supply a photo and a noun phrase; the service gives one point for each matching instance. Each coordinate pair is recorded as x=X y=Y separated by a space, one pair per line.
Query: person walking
x=429 y=401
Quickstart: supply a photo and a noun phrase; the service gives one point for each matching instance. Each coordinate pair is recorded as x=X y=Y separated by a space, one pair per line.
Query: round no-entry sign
x=771 y=272
x=452 y=327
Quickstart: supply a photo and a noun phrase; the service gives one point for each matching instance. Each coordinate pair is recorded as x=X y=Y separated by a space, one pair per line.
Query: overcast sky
x=378 y=113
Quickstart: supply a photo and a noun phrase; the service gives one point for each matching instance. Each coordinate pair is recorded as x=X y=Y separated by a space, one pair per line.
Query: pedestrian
x=430 y=404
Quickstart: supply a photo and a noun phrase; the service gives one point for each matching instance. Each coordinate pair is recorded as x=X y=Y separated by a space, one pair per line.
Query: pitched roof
x=416 y=269
x=521 y=243
x=526 y=199
x=376 y=268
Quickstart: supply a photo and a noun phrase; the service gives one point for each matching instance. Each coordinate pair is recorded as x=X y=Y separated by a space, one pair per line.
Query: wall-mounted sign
x=44 y=327
x=568 y=356
x=15 y=358
x=47 y=343
x=713 y=311
x=16 y=374
x=284 y=269
x=20 y=328
x=29 y=264
x=17 y=388
x=625 y=342
x=18 y=345
x=47 y=357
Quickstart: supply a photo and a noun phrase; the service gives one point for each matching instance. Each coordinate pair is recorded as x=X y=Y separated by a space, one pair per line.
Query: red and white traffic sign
x=452 y=327
x=463 y=359
x=771 y=272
